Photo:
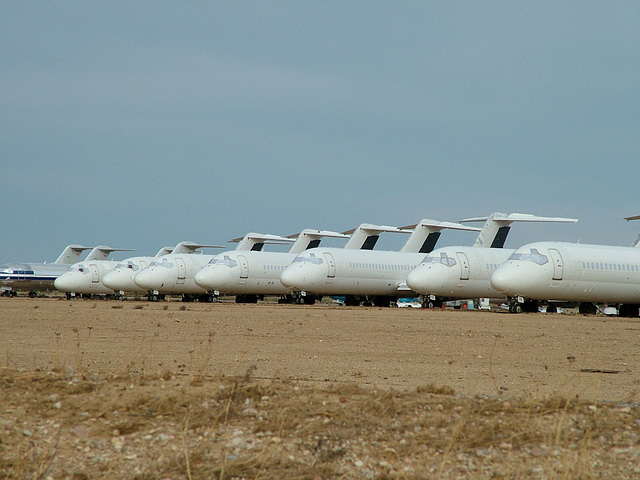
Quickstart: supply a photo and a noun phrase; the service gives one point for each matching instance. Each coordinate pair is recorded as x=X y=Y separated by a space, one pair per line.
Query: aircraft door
x=464 y=266
x=182 y=271
x=244 y=266
x=558 y=268
x=95 y=274
x=331 y=265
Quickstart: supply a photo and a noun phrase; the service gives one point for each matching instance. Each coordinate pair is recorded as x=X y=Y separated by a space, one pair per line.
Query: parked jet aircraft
x=175 y=273
x=465 y=272
x=251 y=275
x=120 y=278
x=34 y=277
x=85 y=277
x=580 y=273
x=363 y=275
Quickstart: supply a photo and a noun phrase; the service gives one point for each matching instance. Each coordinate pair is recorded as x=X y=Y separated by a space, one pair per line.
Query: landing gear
x=629 y=311
x=351 y=301
x=586 y=308
x=515 y=308
x=382 y=301
x=430 y=302
x=33 y=294
x=246 y=299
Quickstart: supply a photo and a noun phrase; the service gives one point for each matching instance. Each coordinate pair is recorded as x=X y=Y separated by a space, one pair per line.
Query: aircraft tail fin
x=102 y=252
x=497 y=226
x=71 y=254
x=309 y=238
x=636 y=242
x=427 y=232
x=255 y=241
x=191 y=247
x=164 y=251
x=365 y=236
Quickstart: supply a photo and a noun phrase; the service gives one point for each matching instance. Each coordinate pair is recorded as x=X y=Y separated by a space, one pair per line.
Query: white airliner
x=465 y=272
x=577 y=273
x=369 y=276
x=175 y=273
x=85 y=277
x=35 y=277
x=250 y=275
x=120 y=278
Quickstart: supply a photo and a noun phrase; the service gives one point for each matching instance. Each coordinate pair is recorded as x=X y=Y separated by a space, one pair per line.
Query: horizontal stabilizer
x=71 y=254
x=427 y=232
x=365 y=236
x=191 y=247
x=102 y=252
x=309 y=238
x=255 y=241
x=637 y=217
x=497 y=225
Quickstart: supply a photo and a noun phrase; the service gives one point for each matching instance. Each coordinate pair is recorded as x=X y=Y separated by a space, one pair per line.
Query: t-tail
x=191 y=247
x=426 y=234
x=309 y=238
x=102 y=252
x=71 y=254
x=497 y=226
x=255 y=241
x=366 y=235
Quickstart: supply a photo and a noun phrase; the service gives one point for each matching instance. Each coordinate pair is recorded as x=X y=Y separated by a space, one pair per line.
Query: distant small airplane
x=572 y=272
x=368 y=276
x=459 y=272
x=86 y=277
x=34 y=277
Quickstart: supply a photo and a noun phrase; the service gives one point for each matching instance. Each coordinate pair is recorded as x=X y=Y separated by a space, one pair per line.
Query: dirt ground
x=106 y=389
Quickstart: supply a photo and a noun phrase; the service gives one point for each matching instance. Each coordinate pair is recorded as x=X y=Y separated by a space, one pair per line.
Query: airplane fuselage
x=245 y=272
x=120 y=279
x=458 y=272
x=365 y=273
x=86 y=278
x=30 y=276
x=571 y=272
x=173 y=273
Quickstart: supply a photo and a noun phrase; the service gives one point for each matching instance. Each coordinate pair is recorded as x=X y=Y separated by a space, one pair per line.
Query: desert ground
x=132 y=389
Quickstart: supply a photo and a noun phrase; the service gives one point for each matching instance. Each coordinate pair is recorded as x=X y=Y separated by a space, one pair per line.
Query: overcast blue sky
x=140 y=124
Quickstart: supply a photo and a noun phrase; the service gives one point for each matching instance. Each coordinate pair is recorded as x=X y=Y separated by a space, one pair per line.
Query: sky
x=142 y=124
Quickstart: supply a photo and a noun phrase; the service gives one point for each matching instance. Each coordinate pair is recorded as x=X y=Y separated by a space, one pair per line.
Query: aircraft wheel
x=309 y=300
x=552 y=309
x=33 y=294
x=153 y=297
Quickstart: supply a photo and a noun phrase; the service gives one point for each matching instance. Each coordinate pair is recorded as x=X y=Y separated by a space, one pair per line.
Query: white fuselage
x=245 y=272
x=458 y=272
x=86 y=277
x=30 y=276
x=337 y=271
x=571 y=272
x=173 y=273
x=120 y=279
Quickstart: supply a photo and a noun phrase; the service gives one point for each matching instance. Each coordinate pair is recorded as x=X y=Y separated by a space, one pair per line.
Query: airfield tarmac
x=472 y=352
x=107 y=389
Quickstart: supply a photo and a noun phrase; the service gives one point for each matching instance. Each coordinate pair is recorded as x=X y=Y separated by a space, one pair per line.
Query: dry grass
x=144 y=427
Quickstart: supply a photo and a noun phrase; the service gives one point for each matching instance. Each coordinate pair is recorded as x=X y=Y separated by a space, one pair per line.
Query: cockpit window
x=163 y=262
x=443 y=259
x=227 y=261
x=533 y=256
x=79 y=268
x=310 y=259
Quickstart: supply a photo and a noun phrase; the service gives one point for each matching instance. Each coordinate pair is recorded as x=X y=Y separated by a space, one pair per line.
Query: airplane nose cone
x=149 y=279
x=504 y=279
x=415 y=280
x=65 y=283
x=203 y=277
x=290 y=277
x=119 y=280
